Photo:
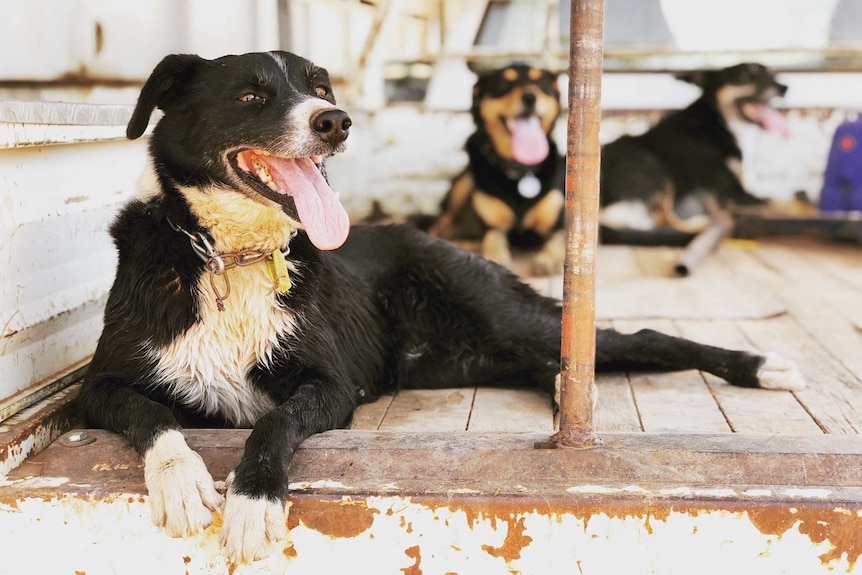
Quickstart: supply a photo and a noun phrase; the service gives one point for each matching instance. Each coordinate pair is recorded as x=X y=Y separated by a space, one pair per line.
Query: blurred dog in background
x=511 y=194
x=665 y=185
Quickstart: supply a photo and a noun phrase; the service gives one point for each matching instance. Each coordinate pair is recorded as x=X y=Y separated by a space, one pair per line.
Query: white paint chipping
x=107 y=536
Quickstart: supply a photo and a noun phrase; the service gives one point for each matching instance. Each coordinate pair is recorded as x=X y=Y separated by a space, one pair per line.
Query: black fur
x=393 y=307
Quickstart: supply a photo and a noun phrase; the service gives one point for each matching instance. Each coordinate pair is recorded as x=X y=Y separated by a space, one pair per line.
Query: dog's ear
x=162 y=87
x=477 y=101
x=700 y=78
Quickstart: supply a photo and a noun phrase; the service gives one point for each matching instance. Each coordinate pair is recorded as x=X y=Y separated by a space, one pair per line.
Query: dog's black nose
x=332 y=126
x=529 y=99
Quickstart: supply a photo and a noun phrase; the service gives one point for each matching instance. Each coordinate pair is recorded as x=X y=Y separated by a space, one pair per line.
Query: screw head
x=78 y=436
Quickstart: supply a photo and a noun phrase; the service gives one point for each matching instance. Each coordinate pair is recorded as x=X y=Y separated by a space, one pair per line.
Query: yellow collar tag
x=278 y=270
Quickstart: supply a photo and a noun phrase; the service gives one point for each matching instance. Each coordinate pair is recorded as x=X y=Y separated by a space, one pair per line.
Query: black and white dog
x=239 y=299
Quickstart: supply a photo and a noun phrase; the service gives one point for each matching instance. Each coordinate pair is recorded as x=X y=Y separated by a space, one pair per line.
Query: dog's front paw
x=252 y=527
x=776 y=372
x=549 y=261
x=181 y=491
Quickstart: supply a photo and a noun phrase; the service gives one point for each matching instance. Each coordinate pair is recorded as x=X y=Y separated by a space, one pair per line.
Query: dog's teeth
x=272 y=185
x=262 y=173
x=262 y=153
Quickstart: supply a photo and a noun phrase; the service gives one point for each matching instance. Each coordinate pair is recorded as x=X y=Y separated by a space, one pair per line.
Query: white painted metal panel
x=56 y=258
x=105 y=39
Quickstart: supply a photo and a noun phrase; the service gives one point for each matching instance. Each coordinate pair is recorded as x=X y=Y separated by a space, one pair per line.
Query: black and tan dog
x=664 y=186
x=511 y=193
x=240 y=300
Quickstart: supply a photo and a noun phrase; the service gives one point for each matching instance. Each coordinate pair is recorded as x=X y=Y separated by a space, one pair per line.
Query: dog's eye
x=321 y=91
x=251 y=97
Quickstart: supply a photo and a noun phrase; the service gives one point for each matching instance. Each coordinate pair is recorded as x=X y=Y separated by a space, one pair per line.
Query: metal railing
x=577 y=358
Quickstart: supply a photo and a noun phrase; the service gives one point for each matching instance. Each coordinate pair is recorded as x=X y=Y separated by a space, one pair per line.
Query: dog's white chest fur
x=207 y=366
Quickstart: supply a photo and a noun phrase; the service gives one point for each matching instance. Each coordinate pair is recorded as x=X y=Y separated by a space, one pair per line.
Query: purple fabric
x=842 y=180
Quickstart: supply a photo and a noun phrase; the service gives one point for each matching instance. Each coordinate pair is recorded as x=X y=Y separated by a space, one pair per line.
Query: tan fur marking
x=491 y=110
x=544 y=216
x=510 y=74
x=548 y=108
x=534 y=74
x=458 y=198
x=495 y=247
x=735 y=166
x=727 y=97
x=493 y=211
x=238 y=222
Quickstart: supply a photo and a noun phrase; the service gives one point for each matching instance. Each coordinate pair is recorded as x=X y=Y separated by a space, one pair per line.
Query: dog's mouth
x=529 y=140
x=760 y=111
x=298 y=185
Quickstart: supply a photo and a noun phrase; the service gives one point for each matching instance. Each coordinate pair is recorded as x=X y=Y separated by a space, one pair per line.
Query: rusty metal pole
x=583 y=152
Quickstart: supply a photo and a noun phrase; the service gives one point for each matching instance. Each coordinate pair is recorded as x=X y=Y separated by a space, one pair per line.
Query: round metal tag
x=529 y=186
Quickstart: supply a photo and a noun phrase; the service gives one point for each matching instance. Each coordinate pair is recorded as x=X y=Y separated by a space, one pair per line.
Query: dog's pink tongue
x=772 y=120
x=529 y=142
x=325 y=219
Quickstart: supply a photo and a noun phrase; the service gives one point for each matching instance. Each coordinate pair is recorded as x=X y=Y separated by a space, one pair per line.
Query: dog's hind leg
x=652 y=350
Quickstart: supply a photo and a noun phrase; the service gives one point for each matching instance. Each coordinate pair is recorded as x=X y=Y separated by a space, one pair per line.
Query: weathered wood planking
x=430 y=410
x=616 y=411
x=820 y=301
x=370 y=415
x=751 y=411
x=819 y=337
x=678 y=402
x=511 y=410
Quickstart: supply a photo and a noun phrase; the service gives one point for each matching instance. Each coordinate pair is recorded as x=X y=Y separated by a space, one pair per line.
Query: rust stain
x=80 y=573
x=187 y=559
x=407 y=526
x=289 y=552
x=514 y=543
x=841 y=527
x=335 y=518
x=413 y=553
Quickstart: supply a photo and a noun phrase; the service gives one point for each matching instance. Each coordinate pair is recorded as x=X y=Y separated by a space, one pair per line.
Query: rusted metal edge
x=35 y=393
x=582 y=203
x=34 y=428
x=487 y=463
x=740 y=493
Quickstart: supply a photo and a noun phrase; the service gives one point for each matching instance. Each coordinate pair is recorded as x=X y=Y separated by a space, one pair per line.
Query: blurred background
x=403 y=69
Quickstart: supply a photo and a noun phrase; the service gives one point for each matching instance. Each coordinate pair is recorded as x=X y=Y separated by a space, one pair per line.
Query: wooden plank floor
x=801 y=297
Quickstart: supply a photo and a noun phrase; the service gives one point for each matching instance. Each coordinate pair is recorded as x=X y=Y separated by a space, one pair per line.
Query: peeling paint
x=414 y=553
x=515 y=542
x=320 y=484
x=378 y=535
x=342 y=518
x=814 y=493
